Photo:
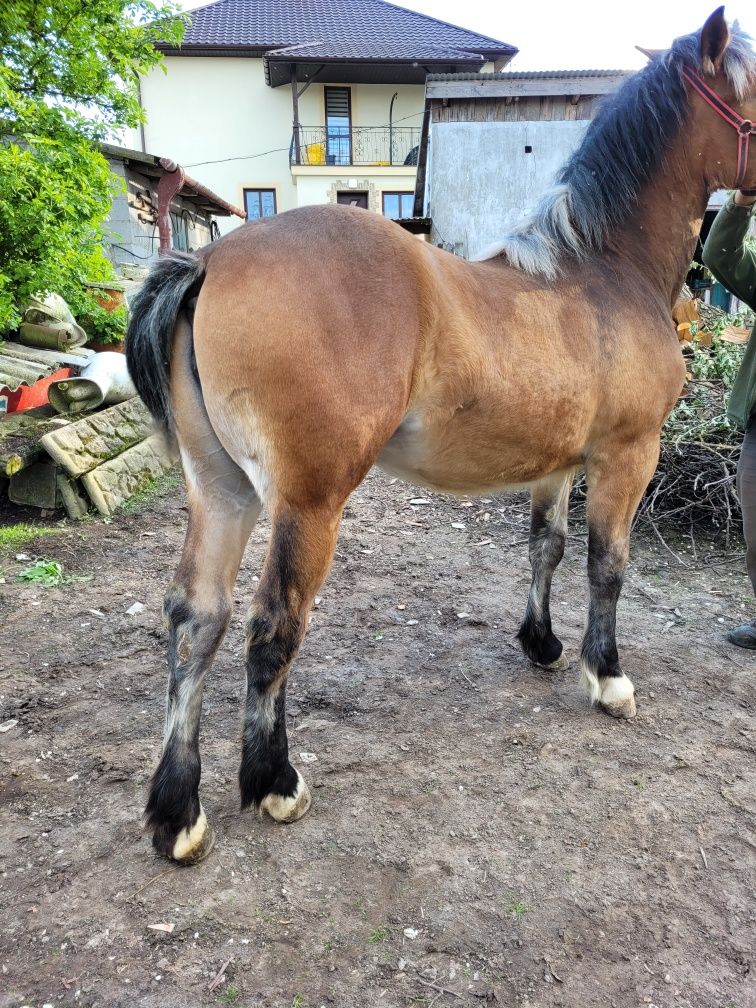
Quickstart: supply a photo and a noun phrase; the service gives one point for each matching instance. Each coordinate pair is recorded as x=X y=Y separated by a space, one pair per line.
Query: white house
x=283 y=103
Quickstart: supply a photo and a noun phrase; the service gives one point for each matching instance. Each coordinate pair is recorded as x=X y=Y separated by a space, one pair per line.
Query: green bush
x=68 y=74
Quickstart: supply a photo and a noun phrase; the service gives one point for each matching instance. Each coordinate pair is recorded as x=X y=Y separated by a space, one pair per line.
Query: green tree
x=68 y=79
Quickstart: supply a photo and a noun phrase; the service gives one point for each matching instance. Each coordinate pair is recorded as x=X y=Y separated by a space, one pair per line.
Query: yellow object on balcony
x=314 y=154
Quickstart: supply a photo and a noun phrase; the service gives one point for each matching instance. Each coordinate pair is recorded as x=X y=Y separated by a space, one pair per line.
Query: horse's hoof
x=192 y=845
x=558 y=665
x=618 y=697
x=288 y=810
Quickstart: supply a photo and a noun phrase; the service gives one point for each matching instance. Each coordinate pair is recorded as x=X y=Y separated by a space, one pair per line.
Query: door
x=338 y=112
x=359 y=199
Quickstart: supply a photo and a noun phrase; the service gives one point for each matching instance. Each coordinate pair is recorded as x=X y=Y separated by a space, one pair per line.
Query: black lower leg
x=605 y=570
x=547 y=538
x=265 y=768
x=173 y=803
x=273 y=636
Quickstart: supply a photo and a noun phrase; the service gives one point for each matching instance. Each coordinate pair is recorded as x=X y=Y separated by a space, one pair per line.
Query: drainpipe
x=141 y=124
x=172 y=181
x=391 y=127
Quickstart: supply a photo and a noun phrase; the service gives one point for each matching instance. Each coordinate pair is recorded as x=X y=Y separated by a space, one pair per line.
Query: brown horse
x=297 y=352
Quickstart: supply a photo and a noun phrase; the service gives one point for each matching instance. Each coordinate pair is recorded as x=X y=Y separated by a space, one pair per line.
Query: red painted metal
x=28 y=397
x=170 y=185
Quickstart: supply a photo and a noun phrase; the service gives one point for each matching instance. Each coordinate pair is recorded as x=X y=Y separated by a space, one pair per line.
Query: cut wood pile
x=97 y=460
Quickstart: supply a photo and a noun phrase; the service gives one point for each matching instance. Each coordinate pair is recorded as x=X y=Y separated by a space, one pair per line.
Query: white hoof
x=618 y=697
x=287 y=810
x=615 y=694
x=194 y=843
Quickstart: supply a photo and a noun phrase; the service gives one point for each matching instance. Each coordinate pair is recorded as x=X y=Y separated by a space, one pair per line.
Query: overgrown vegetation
x=68 y=80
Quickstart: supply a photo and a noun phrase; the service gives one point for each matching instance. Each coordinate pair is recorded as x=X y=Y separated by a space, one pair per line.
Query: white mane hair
x=599 y=186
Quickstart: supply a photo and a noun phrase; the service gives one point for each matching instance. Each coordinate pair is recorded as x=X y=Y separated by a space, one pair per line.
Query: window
x=398 y=205
x=259 y=203
x=338 y=112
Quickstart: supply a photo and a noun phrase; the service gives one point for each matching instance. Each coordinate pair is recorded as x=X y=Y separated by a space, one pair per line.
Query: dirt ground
x=478 y=835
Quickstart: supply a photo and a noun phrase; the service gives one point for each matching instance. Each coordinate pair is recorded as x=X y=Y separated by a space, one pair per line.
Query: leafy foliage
x=47 y=573
x=68 y=79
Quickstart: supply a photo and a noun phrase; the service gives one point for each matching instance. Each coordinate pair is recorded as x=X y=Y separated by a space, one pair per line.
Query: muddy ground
x=478 y=835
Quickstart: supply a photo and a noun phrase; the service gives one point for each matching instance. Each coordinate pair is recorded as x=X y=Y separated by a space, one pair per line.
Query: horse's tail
x=174 y=280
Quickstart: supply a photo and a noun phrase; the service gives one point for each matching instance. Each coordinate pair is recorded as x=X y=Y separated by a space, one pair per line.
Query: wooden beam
x=524 y=88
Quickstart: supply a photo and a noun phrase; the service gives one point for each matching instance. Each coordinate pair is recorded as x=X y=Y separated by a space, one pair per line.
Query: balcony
x=374 y=146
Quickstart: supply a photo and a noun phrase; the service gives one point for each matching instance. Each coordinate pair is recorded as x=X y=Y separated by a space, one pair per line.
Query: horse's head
x=718 y=67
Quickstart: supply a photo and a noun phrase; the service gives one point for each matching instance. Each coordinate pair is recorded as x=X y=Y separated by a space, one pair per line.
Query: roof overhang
x=352 y=71
x=536 y=84
x=153 y=166
x=415 y=225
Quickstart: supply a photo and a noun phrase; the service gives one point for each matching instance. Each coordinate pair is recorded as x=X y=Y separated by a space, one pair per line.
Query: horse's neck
x=659 y=238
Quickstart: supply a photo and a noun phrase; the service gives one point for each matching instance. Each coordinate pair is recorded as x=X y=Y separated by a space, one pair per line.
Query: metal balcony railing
x=360 y=145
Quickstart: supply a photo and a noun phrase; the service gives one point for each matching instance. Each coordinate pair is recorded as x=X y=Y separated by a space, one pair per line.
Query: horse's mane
x=599 y=186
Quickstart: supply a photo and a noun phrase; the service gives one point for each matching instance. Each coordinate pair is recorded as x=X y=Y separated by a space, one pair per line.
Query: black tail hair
x=173 y=280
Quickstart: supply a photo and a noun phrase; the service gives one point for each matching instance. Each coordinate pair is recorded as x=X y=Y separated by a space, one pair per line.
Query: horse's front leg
x=616 y=482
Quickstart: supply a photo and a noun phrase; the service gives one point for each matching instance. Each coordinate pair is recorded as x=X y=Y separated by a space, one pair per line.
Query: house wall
x=131 y=234
x=480 y=180
x=321 y=185
x=217 y=117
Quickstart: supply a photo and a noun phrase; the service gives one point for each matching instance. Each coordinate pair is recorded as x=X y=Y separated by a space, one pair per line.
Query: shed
x=493 y=142
x=159 y=207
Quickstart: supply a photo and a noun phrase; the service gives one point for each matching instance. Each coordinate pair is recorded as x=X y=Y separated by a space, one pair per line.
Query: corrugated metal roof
x=22 y=365
x=510 y=75
x=375 y=49
x=271 y=24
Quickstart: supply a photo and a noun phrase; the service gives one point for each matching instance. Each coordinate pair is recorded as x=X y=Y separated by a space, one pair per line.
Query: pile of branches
x=694 y=484
x=693 y=487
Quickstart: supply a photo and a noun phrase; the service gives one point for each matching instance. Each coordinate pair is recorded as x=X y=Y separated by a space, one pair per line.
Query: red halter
x=746 y=129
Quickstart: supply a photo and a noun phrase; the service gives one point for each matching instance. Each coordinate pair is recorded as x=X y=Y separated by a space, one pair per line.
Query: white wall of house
x=481 y=180
x=218 y=118
x=320 y=185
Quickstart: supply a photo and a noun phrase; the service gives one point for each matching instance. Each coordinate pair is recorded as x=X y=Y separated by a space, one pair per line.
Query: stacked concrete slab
x=99 y=460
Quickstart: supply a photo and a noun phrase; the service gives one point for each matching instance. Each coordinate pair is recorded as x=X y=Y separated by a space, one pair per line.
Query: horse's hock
x=99 y=460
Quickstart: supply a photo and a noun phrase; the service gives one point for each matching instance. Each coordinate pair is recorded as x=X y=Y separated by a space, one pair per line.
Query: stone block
x=85 y=444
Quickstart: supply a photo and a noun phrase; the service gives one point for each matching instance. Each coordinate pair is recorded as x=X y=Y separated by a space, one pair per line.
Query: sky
x=583 y=34
x=577 y=34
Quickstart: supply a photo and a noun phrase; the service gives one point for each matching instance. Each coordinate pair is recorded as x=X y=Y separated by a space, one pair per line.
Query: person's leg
x=745 y=636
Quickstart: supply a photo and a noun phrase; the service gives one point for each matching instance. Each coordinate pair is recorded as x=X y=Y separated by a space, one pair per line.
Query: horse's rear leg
x=197 y=610
x=548 y=531
x=299 y=557
x=616 y=482
x=223 y=508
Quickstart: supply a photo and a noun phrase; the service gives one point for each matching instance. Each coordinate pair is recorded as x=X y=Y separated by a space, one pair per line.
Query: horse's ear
x=715 y=37
x=650 y=54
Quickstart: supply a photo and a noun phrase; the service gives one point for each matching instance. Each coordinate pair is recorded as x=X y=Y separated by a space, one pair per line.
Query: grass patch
x=19 y=535
x=517 y=907
x=162 y=486
x=379 y=935
x=230 y=995
x=297 y=1001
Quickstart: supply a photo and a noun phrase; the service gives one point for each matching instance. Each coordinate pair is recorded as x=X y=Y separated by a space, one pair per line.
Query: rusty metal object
x=170 y=185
